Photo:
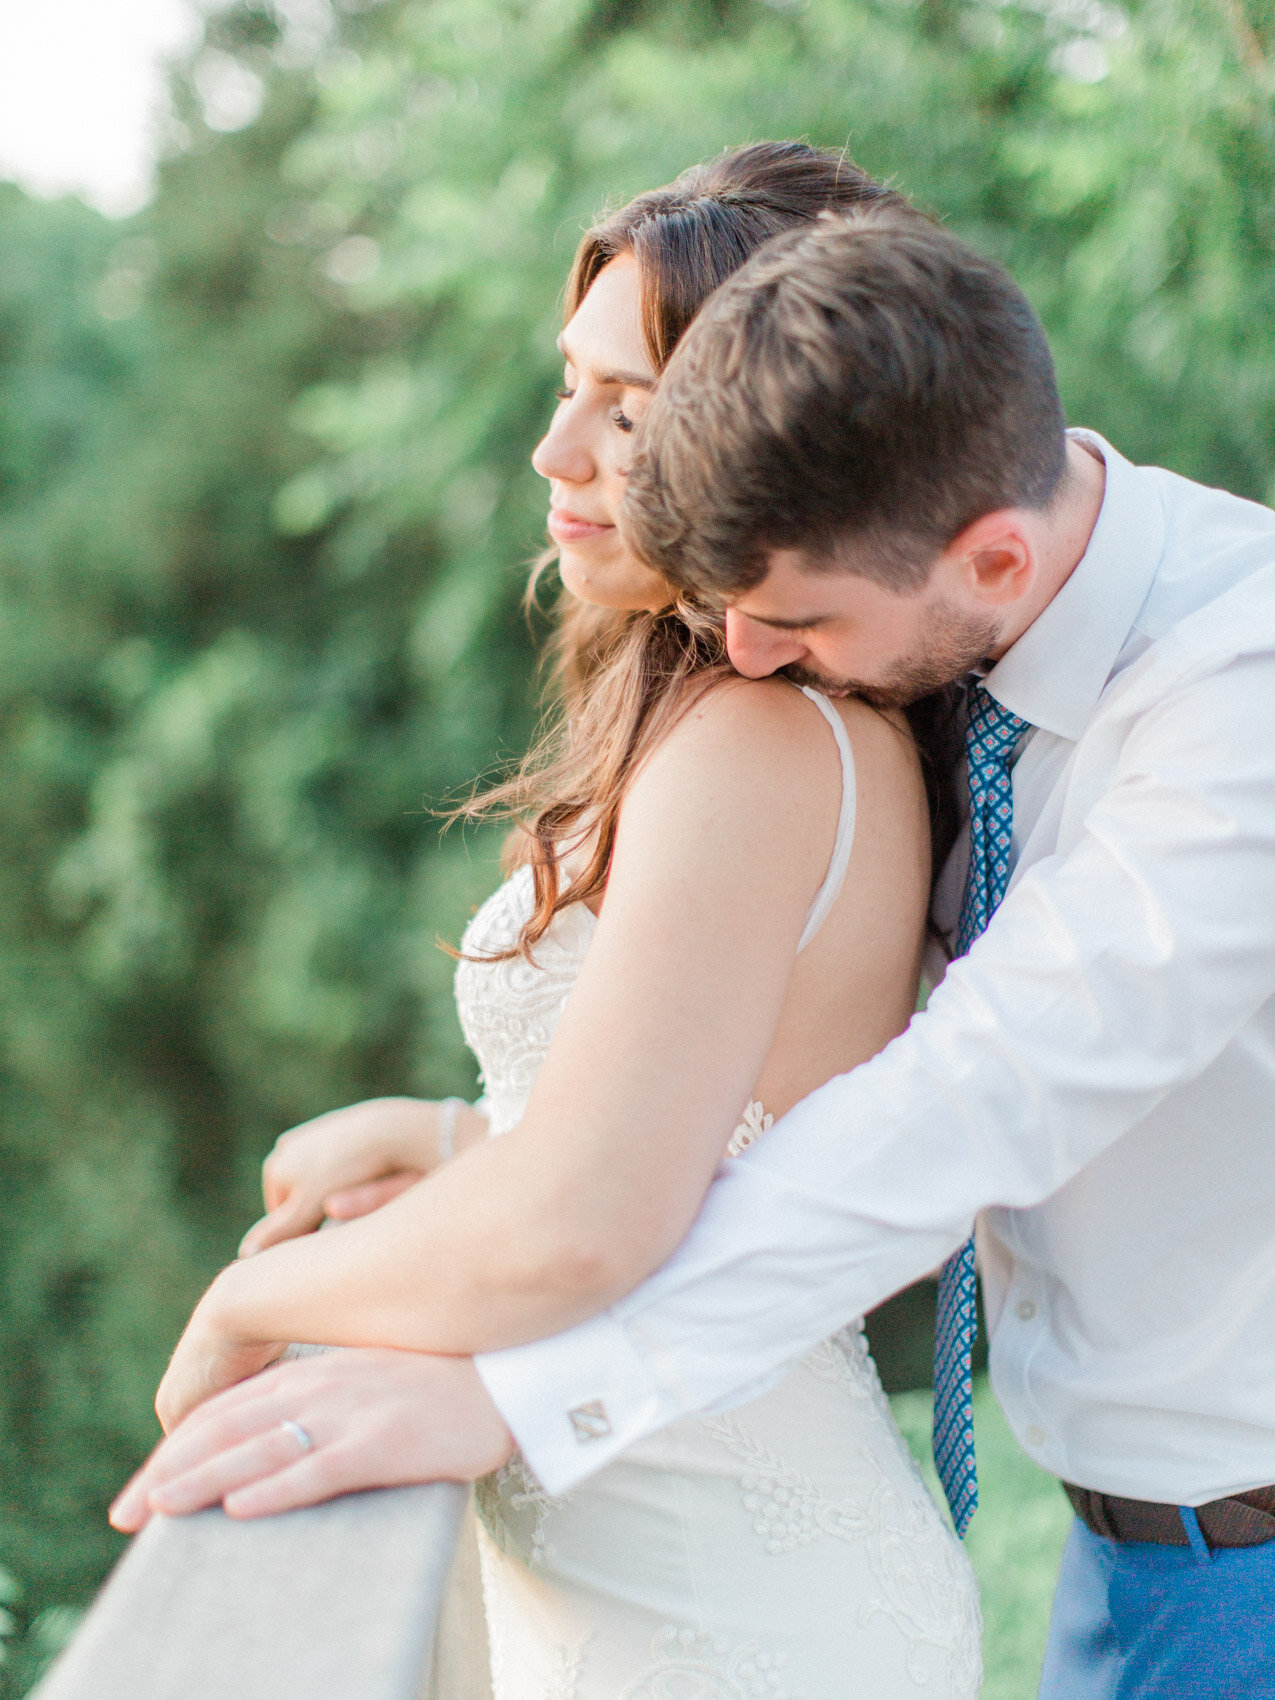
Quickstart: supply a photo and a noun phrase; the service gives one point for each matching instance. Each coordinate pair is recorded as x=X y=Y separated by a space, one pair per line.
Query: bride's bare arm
x=660 y=1046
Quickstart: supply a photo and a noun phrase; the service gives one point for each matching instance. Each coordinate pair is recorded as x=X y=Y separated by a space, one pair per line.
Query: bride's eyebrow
x=617 y=380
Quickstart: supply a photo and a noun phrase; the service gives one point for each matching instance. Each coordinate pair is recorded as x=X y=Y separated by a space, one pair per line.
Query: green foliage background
x=264 y=510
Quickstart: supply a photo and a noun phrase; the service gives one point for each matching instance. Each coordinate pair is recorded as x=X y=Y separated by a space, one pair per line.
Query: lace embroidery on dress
x=514 y=1487
x=564 y=1679
x=509 y=1011
x=756 y=1122
x=788 y=1508
x=695 y=1664
x=925 y=1599
x=846 y=1360
x=924 y=1584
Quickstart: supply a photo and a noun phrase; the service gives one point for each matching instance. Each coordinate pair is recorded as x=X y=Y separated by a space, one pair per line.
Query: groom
x=858 y=450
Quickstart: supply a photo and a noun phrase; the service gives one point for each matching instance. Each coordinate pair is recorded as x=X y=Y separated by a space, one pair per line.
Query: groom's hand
x=371 y=1418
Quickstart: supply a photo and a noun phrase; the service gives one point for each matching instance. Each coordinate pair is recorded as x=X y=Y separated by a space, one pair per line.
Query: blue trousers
x=1141 y=1622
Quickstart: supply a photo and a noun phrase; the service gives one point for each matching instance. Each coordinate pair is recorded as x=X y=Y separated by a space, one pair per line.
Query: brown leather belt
x=1244 y=1520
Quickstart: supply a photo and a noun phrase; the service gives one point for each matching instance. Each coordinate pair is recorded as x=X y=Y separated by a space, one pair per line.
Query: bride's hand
x=316 y=1427
x=344 y=1164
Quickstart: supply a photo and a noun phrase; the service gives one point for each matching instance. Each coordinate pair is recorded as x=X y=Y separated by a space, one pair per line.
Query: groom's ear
x=994 y=558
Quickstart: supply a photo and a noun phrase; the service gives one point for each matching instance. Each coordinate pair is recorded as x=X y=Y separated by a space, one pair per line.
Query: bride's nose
x=756 y=651
x=562 y=452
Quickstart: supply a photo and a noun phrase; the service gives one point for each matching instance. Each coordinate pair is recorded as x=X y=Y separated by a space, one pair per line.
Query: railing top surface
x=331 y=1603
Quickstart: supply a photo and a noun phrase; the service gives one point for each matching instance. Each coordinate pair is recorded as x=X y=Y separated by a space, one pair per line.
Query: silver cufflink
x=590 y=1421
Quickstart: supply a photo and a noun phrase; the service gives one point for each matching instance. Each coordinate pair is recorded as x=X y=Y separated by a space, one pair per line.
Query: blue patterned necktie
x=991 y=735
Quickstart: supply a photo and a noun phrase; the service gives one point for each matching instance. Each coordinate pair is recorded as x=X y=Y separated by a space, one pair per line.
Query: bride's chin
x=625 y=586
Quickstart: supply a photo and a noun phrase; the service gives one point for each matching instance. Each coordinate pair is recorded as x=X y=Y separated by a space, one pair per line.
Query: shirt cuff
x=575 y=1401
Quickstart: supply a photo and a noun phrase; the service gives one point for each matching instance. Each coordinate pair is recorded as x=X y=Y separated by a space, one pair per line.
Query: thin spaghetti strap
x=834 y=879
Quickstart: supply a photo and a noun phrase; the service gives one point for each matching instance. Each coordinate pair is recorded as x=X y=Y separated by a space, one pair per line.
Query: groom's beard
x=955 y=644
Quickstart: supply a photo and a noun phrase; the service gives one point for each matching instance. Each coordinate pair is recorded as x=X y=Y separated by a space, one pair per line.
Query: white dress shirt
x=1096 y=1077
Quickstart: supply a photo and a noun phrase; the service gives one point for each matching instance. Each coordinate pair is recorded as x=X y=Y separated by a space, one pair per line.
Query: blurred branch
x=1247 y=41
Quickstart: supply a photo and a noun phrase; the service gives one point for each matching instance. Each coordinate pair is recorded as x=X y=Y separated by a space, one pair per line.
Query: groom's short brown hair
x=861 y=391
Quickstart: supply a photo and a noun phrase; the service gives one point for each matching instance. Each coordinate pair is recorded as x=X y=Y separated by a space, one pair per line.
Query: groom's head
x=857 y=448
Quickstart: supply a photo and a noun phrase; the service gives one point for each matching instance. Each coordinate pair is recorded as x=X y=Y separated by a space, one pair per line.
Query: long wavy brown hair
x=621 y=680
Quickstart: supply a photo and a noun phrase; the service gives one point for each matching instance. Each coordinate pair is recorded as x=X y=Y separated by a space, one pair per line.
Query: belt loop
x=1195 y=1535
x=1102 y=1524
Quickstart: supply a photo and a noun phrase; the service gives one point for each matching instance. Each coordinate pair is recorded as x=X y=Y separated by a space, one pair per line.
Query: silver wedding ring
x=303 y=1439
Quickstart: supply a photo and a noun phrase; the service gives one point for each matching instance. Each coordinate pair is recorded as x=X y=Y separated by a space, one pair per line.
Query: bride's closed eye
x=619 y=418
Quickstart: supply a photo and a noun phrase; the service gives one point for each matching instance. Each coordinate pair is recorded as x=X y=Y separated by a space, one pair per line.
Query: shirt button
x=1026 y=1311
x=1035 y=1435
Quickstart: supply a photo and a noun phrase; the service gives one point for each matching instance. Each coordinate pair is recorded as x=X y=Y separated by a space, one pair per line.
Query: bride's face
x=585 y=453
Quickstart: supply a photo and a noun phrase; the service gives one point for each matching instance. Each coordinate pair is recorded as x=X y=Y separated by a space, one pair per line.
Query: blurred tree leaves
x=265 y=504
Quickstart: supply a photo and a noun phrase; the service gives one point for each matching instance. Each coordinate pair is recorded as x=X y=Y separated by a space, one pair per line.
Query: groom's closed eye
x=808 y=623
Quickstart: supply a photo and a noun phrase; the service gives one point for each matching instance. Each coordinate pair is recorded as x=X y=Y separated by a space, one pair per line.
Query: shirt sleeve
x=1109 y=975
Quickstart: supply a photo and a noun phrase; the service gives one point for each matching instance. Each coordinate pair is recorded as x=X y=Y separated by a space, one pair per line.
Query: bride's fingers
x=299 y=1214
x=130 y=1509
x=188 y=1445
x=368 y=1400
x=351 y=1201
x=263 y=1454
x=250 y=1407
x=309 y=1481
x=302 y=1214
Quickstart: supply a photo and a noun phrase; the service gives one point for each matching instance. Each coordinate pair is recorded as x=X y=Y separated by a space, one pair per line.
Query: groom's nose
x=756 y=650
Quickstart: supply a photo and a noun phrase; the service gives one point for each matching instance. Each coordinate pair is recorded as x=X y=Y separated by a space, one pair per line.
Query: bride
x=718 y=903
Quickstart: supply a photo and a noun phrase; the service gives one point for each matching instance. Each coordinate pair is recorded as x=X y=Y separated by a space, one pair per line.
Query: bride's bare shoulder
x=775 y=721
x=736 y=811
x=762 y=744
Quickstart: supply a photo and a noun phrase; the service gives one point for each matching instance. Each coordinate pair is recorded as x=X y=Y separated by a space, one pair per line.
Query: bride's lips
x=565 y=527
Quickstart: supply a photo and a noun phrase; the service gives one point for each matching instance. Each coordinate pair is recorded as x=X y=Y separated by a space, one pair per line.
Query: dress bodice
x=510 y=1010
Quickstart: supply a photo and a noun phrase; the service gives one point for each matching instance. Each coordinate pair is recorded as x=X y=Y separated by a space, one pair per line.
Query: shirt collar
x=1056 y=672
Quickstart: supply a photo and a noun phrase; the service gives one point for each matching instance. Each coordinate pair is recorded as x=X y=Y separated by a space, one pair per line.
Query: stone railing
x=337 y=1602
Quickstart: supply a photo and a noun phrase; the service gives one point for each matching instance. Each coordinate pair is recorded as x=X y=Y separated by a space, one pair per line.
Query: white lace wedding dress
x=785 y=1550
